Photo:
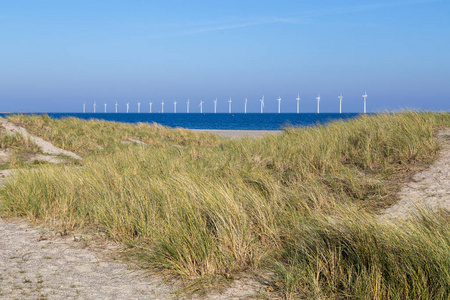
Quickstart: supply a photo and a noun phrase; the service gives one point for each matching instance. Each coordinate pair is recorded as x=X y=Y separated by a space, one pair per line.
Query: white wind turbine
x=116 y=107
x=245 y=106
x=340 y=103
x=215 y=106
x=229 y=106
x=94 y=106
x=139 y=107
x=84 y=107
x=150 y=104
x=279 y=104
x=365 y=98
x=187 y=106
x=201 y=107
x=175 y=107
x=318 y=103
x=105 y=107
x=262 y=104
x=298 y=103
x=162 y=106
x=128 y=107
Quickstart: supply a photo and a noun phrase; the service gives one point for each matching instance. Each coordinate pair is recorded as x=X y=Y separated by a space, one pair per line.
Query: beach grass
x=96 y=137
x=302 y=204
x=17 y=149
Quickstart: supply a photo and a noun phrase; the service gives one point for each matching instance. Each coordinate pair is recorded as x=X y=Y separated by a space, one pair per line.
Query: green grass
x=96 y=137
x=19 y=149
x=302 y=203
x=355 y=256
x=17 y=142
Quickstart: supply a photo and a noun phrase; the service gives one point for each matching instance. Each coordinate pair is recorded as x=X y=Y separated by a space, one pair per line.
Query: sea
x=220 y=121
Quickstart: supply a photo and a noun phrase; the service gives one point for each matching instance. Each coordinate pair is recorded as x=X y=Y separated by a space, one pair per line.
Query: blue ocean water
x=225 y=121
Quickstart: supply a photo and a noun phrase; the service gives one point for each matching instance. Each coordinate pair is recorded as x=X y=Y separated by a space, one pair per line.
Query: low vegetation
x=302 y=204
x=16 y=150
x=95 y=137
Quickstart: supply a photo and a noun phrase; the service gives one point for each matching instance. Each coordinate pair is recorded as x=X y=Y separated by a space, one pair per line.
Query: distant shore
x=235 y=134
x=236 y=121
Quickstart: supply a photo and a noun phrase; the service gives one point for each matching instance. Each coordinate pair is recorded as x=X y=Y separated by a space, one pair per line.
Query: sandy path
x=38 y=264
x=429 y=188
x=46 y=147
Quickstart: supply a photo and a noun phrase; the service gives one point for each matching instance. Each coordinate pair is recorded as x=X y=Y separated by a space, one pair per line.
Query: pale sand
x=235 y=134
x=429 y=189
x=37 y=263
x=46 y=147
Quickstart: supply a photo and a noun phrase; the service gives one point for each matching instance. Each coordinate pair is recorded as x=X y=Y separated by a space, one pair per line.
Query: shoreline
x=235 y=134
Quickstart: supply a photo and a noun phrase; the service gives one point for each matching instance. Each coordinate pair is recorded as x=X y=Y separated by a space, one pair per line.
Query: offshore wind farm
x=215 y=121
x=244 y=106
x=275 y=52
x=208 y=115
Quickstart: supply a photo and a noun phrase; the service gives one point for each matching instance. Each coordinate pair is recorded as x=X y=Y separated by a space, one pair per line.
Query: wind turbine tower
x=262 y=104
x=175 y=107
x=215 y=106
x=201 y=107
x=229 y=106
x=340 y=103
x=116 y=107
x=187 y=106
x=298 y=103
x=245 y=106
x=105 y=107
x=162 y=106
x=150 y=103
x=139 y=107
x=94 y=106
x=84 y=107
x=128 y=107
x=318 y=104
x=279 y=104
x=365 y=98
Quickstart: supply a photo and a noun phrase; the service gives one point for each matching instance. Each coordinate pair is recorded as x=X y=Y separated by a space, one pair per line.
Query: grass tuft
x=301 y=203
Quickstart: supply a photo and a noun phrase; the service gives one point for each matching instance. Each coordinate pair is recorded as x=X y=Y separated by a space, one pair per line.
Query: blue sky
x=55 y=55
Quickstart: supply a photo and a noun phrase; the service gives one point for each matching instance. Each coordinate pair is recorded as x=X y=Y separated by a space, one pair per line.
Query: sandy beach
x=235 y=134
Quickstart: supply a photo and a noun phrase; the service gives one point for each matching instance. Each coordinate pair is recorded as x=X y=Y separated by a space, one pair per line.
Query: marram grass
x=354 y=256
x=301 y=203
x=17 y=148
x=95 y=137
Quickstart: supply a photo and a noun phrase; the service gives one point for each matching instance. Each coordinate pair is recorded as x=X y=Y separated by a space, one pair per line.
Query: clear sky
x=55 y=55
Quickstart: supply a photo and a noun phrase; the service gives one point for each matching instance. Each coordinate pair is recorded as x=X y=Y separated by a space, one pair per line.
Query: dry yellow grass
x=300 y=203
